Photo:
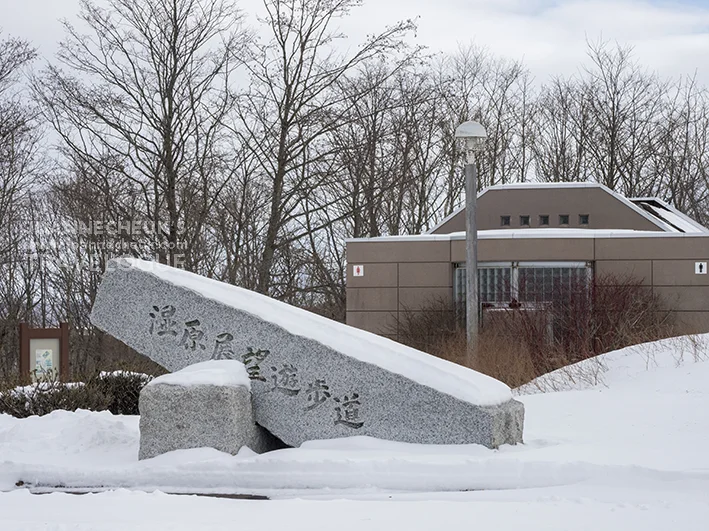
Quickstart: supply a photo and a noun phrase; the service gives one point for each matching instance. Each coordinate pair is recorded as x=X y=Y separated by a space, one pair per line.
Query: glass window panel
x=538 y=284
x=546 y=284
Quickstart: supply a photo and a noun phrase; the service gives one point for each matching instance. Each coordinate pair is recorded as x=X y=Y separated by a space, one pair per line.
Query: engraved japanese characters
x=165 y=323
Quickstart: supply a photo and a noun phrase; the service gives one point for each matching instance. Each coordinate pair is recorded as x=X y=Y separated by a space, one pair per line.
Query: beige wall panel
x=638 y=269
x=425 y=274
x=455 y=224
x=375 y=322
x=604 y=210
x=692 y=322
x=375 y=276
x=419 y=298
x=694 y=247
x=418 y=317
x=398 y=251
x=684 y=298
x=458 y=251
x=521 y=249
x=371 y=299
x=677 y=273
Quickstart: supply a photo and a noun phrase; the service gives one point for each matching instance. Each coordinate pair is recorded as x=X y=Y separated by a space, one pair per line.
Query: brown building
x=533 y=238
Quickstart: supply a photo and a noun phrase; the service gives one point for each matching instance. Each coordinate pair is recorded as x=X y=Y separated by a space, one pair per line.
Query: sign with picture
x=44 y=352
x=44 y=361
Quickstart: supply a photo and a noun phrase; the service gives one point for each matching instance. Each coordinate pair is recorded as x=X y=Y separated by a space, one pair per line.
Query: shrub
x=584 y=321
x=518 y=343
x=116 y=392
x=429 y=329
x=123 y=388
x=49 y=394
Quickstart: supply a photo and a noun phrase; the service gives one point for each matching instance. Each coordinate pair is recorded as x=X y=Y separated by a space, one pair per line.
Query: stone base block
x=176 y=418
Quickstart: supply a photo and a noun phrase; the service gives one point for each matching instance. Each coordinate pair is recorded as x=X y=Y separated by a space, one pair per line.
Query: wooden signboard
x=44 y=350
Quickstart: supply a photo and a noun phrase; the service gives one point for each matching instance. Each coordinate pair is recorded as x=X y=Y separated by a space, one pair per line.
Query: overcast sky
x=671 y=37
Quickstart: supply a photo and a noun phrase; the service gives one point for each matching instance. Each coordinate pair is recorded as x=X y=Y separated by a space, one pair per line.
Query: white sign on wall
x=358 y=270
x=700 y=268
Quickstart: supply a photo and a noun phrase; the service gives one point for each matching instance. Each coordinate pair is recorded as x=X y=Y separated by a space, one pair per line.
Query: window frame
x=582 y=216
x=522 y=217
x=460 y=294
x=542 y=218
x=507 y=219
x=561 y=222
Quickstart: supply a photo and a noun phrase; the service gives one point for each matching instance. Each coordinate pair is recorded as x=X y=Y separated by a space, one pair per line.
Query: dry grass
x=517 y=345
x=508 y=359
x=497 y=356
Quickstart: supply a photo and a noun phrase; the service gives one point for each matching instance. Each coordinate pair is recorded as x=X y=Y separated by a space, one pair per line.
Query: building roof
x=677 y=221
x=665 y=217
x=535 y=233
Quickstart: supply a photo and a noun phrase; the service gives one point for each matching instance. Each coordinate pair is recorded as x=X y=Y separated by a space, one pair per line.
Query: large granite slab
x=312 y=378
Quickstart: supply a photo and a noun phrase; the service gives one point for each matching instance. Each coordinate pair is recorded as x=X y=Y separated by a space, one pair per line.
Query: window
x=524 y=221
x=494 y=285
x=544 y=220
x=583 y=219
x=563 y=219
x=505 y=221
x=530 y=283
x=540 y=283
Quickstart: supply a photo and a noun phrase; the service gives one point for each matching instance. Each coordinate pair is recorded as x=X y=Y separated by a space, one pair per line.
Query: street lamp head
x=474 y=135
x=470 y=130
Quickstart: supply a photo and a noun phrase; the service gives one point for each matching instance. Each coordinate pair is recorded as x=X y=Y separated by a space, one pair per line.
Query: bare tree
x=145 y=95
x=680 y=154
x=18 y=141
x=624 y=104
x=561 y=132
x=19 y=164
x=292 y=106
x=364 y=147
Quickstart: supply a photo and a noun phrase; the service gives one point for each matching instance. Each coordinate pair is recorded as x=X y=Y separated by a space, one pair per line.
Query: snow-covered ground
x=624 y=446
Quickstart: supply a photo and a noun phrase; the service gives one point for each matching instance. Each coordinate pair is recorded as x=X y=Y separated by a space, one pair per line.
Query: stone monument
x=312 y=378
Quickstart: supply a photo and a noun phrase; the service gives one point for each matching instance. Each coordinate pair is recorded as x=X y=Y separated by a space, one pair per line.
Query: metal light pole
x=474 y=135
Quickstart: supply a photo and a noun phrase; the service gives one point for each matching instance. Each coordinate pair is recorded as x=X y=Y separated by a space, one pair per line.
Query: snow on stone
x=225 y=373
x=444 y=376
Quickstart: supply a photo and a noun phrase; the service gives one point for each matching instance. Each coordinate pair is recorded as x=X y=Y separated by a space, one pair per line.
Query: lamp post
x=474 y=135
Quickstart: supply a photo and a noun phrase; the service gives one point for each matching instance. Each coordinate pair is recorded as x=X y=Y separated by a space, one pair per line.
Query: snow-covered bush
x=117 y=392
x=123 y=388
